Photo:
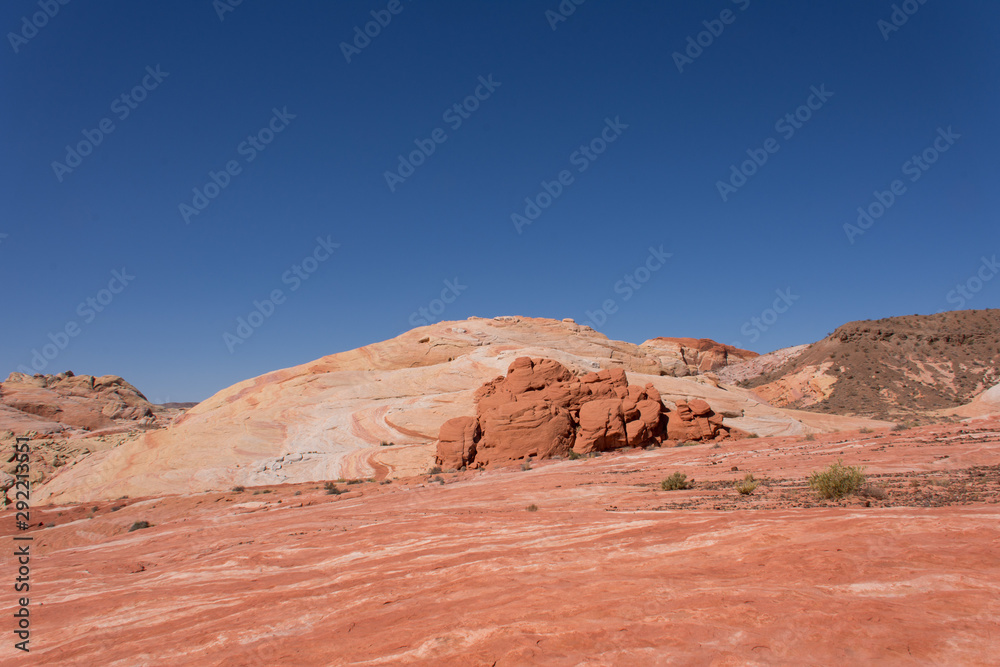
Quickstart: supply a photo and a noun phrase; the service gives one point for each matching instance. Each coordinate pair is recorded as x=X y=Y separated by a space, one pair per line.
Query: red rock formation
x=695 y=420
x=540 y=409
x=54 y=403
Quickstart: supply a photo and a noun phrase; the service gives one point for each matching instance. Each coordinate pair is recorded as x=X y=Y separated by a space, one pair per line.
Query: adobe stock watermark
x=696 y=44
x=436 y=307
x=901 y=13
x=30 y=27
x=759 y=324
x=249 y=148
x=914 y=168
x=786 y=126
x=581 y=158
x=966 y=291
x=454 y=116
x=562 y=12
x=629 y=284
x=381 y=18
x=22 y=554
x=87 y=311
x=223 y=7
x=294 y=277
x=122 y=107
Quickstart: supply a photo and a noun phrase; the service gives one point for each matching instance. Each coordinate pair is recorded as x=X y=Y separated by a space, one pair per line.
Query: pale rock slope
x=336 y=416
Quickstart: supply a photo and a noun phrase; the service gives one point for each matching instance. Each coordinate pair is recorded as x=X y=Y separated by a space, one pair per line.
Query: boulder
x=540 y=409
x=457 y=442
x=602 y=426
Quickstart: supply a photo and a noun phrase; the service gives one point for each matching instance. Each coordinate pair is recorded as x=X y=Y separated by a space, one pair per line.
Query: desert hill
x=376 y=411
x=897 y=368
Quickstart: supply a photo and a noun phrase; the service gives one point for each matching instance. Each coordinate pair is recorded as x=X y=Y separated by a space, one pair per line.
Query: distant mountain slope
x=892 y=368
x=690 y=356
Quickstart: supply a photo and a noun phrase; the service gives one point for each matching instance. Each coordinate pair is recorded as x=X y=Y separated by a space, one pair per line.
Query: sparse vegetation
x=675 y=482
x=837 y=481
x=865 y=429
x=688 y=443
x=748 y=485
x=526 y=465
x=139 y=525
x=899 y=427
x=116 y=508
x=386 y=444
x=239 y=489
x=331 y=489
x=753 y=435
x=810 y=437
x=532 y=507
x=573 y=456
x=436 y=470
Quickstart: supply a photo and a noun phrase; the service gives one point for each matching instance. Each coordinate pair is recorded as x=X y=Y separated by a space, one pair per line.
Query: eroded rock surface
x=49 y=404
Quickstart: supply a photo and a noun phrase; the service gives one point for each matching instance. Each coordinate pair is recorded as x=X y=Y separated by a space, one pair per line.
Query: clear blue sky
x=212 y=83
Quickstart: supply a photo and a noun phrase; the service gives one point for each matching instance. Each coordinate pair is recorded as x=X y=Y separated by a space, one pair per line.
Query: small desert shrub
x=386 y=444
x=526 y=465
x=899 y=427
x=434 y=471
x=354 y=481
x=331 y=489
x=239 y=489
x=810 y=437
x=297 y=493
x=573 y=456
x=688 y=443
x=747 y=486
x=675 y=482
x=116 y=508
x=532 y=507
x=753 y=435
x=872 y=491
x=94 y=508
x=837 y=481
x=865 y=429
x=50 y=525
x=437 y=479
x=138 y=525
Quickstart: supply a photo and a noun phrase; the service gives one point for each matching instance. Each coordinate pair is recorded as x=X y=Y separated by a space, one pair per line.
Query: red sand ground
x=610 y=569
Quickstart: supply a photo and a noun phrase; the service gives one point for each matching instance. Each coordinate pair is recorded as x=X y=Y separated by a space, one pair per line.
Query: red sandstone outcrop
x=49 y=404
x=540 y=409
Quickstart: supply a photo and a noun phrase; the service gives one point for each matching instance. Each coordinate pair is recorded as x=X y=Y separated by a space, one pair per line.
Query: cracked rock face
x=540 y=409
